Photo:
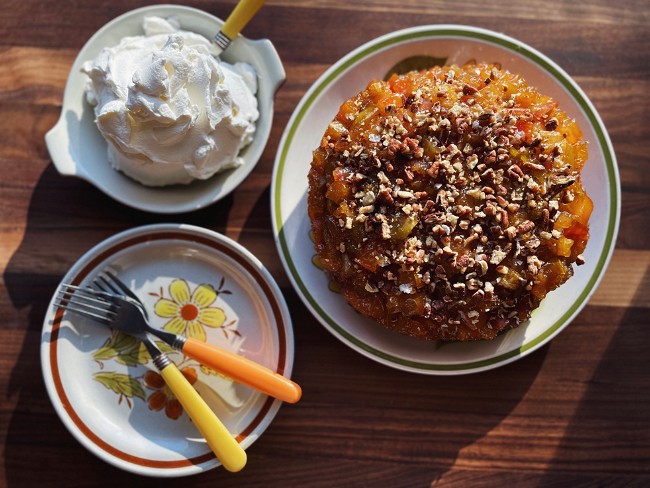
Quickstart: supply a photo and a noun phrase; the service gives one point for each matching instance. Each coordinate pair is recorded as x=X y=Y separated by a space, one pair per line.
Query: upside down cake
x=446 y=203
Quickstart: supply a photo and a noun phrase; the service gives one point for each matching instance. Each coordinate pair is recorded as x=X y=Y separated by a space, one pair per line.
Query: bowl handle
x=58 y=145
x=271 y=62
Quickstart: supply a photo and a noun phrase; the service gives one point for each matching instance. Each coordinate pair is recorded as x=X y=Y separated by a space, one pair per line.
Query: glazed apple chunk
x=446 y=204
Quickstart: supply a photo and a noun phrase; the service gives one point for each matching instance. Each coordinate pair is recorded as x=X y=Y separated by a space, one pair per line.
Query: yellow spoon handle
x=222 y=443
x=239 y=17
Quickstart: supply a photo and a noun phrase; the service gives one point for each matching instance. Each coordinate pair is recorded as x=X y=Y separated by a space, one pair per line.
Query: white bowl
x=457 y=45
x=78 y=149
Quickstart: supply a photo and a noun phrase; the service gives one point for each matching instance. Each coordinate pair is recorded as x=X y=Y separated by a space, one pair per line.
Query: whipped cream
x=169 y=109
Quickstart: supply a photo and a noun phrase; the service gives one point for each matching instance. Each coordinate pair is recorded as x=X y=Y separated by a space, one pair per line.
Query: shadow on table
x=365 y=424
x=66 y=217
x=610 y=428
x=359 y=423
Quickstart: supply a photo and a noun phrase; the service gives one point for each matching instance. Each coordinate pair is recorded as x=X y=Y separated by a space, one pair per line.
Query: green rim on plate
x=475 y=34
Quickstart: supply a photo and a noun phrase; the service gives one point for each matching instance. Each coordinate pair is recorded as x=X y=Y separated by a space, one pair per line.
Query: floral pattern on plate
x=128 y=420
x=189 y=310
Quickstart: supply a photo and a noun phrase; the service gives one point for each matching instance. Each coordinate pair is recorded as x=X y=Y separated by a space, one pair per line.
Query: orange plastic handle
x=243 y=370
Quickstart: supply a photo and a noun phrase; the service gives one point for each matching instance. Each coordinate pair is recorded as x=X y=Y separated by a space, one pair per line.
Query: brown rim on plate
x=78 y=278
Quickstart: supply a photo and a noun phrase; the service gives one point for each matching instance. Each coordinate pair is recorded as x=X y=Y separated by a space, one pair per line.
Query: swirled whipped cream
x=169 y=109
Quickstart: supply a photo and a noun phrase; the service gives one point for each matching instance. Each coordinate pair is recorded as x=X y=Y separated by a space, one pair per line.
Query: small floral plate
x=417 y=48
x=103 y=384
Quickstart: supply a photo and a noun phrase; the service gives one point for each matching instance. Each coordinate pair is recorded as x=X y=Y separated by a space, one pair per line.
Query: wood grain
x=574 y=413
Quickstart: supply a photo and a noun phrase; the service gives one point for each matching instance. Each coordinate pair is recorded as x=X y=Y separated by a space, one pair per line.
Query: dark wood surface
x=574 y=413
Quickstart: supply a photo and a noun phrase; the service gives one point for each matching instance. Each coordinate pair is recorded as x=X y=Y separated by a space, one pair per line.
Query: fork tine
x=92 y=293
x=87 y=291
x=79 y=299
x=87 y=304
x=104 y=284
x=82 y=295
x=112 y=279
x=83 y=312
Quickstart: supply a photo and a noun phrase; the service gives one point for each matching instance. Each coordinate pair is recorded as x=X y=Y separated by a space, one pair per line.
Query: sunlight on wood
x=22 y=65
x=624 y=280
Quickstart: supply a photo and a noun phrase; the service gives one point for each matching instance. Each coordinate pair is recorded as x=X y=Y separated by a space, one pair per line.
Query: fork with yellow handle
x=116 y=313
x=236 y=21
x=234 y=366
x=228 y=451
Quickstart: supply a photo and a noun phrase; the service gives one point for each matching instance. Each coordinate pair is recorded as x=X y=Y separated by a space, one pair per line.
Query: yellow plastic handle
x=239 y=17
x=222 y=443
x=243 y=370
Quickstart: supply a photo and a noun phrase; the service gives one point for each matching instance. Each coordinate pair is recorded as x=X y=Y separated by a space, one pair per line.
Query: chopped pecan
x=525 y=226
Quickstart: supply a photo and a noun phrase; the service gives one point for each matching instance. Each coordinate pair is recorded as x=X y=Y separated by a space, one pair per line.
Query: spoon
x=236 y=21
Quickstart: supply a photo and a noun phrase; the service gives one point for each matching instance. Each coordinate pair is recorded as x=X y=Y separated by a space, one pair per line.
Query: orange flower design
x=190 y=311
x=163 y=397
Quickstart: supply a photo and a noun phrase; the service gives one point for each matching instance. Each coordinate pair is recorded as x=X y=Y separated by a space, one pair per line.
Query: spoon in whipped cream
x=170 y=111
x=236 y=21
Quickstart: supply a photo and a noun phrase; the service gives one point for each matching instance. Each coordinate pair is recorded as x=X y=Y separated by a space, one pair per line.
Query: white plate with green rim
x=105 y=388
x=449 y=44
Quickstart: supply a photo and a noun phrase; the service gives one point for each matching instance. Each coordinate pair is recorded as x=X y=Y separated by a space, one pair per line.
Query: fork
x=240 y=16
x=236 y=367
x=116 y=313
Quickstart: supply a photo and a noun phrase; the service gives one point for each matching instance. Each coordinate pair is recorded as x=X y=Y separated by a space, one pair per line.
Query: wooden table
x=574 y=413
